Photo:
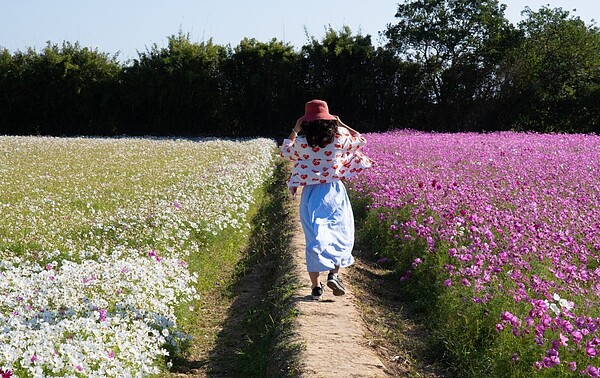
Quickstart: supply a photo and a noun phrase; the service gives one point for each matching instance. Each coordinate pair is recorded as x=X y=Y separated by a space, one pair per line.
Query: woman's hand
x=298 y=125
x=342 y=124
x=339 y=121
x=296 y=129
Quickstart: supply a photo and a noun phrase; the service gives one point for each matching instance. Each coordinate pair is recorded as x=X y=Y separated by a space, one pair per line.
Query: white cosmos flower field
x=94 y=238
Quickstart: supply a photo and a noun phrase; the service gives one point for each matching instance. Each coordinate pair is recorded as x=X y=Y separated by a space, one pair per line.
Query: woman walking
x=325 y=152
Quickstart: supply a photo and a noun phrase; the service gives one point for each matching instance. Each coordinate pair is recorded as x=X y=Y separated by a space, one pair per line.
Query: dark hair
x=319 y=132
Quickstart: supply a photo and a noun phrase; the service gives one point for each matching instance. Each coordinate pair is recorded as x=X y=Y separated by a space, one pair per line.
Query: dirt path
x=331 y=329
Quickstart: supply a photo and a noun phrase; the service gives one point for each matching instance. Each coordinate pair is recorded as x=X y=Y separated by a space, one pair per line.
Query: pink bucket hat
x=315 y=110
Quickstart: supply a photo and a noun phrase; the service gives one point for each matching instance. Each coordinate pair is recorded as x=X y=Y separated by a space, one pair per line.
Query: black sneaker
x=317 y=292
x=335 y=284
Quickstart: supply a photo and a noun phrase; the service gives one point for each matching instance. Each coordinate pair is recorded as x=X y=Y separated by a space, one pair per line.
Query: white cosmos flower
x=554 y=308
x=78 y=288
x=568 y=305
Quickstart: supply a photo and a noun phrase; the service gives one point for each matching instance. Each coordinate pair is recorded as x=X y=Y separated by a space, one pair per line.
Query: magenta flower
x=102 y=313
x=515 y=216
x=576 y=336
x=383 y=260
x=416 y=262
x=592 y=371
x=406 y=275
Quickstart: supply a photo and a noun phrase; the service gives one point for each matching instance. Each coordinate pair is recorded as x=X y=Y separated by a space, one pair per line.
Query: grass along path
x=244 y=322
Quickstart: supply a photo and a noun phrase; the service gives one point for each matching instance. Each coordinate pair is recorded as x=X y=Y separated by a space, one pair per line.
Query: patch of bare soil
x=400 y=341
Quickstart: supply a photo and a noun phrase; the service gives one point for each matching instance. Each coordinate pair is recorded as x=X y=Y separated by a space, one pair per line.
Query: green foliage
x=257 y=283
x=260 y=79
x=175 y=90
x=447 y=65
x=457 y=45
x=67 y=87
x=555 y=71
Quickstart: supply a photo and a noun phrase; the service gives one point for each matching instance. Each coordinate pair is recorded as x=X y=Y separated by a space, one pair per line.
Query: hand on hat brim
x=339 y=121
x=298 y=125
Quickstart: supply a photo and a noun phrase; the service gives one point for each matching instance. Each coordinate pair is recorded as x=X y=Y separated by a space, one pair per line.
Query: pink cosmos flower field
x=507 y=227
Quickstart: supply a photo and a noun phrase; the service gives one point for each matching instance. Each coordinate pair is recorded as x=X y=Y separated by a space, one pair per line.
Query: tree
x=458 y=44
x=555 y=73
x=62 y=90
x=261 y=84
x=176 y=89
x=340 y=69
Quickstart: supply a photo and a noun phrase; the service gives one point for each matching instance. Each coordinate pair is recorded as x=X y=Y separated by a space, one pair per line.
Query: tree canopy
x=446 y=65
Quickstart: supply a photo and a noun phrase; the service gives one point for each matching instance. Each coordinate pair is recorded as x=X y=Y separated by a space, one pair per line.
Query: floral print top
x=339 y=160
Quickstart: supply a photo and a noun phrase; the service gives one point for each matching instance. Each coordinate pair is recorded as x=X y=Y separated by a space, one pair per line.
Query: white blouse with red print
x=339 y=160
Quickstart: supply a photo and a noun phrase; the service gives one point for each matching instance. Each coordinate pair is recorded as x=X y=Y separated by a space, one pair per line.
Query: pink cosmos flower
x=406 y=275
x=416 y=262
x=592 y=371
x=563 y=339
x=103 y=313
x=382 y=260
x=507 y=214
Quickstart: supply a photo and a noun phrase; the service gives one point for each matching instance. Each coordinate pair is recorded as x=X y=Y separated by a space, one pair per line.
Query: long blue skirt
x=328 y=224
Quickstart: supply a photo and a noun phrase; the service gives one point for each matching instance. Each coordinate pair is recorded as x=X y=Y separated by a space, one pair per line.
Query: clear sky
x=128 y=26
